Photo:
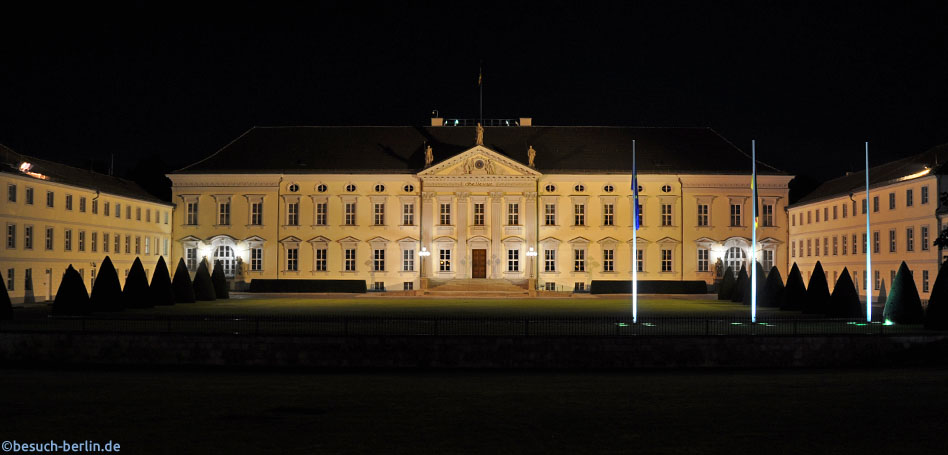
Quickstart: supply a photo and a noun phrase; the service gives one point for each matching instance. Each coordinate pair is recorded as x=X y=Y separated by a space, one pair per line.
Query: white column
x=462 y=262
x=496 y=232
x=427 y=219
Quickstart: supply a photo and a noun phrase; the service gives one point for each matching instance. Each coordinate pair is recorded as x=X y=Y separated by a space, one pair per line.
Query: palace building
x=829 y=224
x=55 y=215
x=518 y=203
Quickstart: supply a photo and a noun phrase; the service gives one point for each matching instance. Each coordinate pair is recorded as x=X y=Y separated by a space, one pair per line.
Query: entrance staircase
x=476 y=288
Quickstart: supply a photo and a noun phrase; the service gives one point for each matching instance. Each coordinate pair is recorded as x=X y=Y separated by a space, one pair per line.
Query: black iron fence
x=456 y=326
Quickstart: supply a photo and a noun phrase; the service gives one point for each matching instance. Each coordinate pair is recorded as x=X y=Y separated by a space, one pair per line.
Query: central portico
x=478 y=216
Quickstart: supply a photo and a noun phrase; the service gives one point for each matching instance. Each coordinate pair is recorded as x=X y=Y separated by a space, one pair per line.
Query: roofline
x=218 y=151
x=860 y=187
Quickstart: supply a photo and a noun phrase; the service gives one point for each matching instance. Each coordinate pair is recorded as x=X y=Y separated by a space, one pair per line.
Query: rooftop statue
x=429 y=156
x=531 y=155
x=480 y=134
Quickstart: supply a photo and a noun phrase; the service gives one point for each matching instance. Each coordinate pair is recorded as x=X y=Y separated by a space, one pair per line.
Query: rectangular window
x=793 y=219
x=845 y=210
x=408 y=214
x=826 y=214
x=128 y=244
x=191 y=259
x=924 y=237
x=29 y=196
x=256 y=214
x=826 y=246
x=640 y=260
x=892 y=240
x=95 y=207
x=875 y=242
x=768 y=260
x=863 y=208
x=118 y=210
x=513 y=214
x=321 y=256
x=445 y=214
x=809 y=249
x=408 y=260
x=608 y=214
x=11 y=278
x=641 y=214
x=138 y=245
x=703 y=259
x=579 y=260
x=256 y=259
x=817 y=215
x=94 y=242
x=549 y=214
x=378 y=260
x=379 y=212
x=50 y=198
x=835 y=209
x=292 y=259
x=148 y=215
x=864 y=244
x=891 y=201
x=479 y=209
x=703 y=215
x=138 y=214
x=445 y=260
x=736 y=215
x=82 y=240
x=925 y=195
x=49 y=238
x=223 y=213
x=793 y=249
x=549 y=260
x=408 y=285
x=11 y=235
x=293 y=214
x=666 y=260
x=166 y=217
x=910 y=239
x=11 y=192
x=579 y=286
x=513 y=260
x=875 y=204
x=817 y=245
x=549 y=286
x=809 y=217
x=666 y=215
x=28 y=276
x=924 y=280
x=608 y=260
x=908 y=197
x=378 y=286
x=835 y=245
x=891 y=278
x=845 y=245
x=767 y=218
x=105 y=243
x=192 y=213
x=349 y=260
x=128 y=212
x=322 y=212
x=350 y=213
x=579 y=214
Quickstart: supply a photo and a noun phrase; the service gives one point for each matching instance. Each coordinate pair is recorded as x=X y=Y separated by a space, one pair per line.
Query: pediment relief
x=479 y=161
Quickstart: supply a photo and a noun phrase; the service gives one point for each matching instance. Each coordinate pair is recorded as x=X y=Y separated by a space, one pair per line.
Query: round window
x=608 y=188
x=350 y=187
x=666 y=188
x=379 y=188
x=294 y=188
x=479 y=164
x=550 y=188
x=641 y=189
x=409 y=188
x=579 y=188
x=321 y=188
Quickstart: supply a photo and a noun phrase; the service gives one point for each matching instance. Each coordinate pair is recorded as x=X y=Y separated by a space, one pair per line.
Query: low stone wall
x=470 y=352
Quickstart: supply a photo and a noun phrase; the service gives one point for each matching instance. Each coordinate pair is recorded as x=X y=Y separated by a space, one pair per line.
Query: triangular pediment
x=479 y=161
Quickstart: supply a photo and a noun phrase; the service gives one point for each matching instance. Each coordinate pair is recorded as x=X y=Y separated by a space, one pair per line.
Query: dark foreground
x=887 y=411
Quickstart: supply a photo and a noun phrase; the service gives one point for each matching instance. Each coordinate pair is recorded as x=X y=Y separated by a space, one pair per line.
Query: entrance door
x=479 y=264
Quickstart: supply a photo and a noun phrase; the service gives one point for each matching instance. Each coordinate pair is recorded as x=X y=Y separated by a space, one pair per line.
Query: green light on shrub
x=622 y=324
x=850 y=323
x=648 y=324
x=736 y=323
x=888 y=322
x=861 y=324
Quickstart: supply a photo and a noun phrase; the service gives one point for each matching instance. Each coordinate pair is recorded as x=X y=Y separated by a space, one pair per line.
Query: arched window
x=225 y=254
x=735 y=259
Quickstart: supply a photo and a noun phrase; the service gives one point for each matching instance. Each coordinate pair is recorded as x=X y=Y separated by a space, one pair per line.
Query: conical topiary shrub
x=71 y=298
x=219 y=281
x=135 y=294
x=903 y=305
x=160 y=287
x=817 y=292
x=6 y=306
x=203 y=287
x=881 y=298
x=739 y=286
x=727 y=285
x=773 y=289
x=761 y=281
x=794 y=293
x=106 y=291
x=936 y=313
x=844 y=303
x=181 y=284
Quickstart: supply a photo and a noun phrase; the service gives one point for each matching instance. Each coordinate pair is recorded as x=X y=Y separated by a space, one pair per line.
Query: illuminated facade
x=363 y=202
x=829 y=224
x=55 y=215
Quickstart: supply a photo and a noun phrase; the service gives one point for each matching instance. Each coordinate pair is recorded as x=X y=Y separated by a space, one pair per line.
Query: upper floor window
x=11 y=192
x=845 y=209
x=549 y=214
x=409 y=188
x=875 y=203
x=579 y=188
x=379 y=211
x=256 y=213
x=666 y=260
x=736 y=214
x=666 y=215
x=379 y=188
x=608 y=215
x=293 y=187
x=666 y=188
x=908 y=198
x=767 y=216
x=925 y=195
x=550 y=188
x=608 y=188
x=350 y=214
x=223 y=213
x=579 y=260
x=408 y=214
x=579 y=214
x=321 y=188
x=549 y=260
x=478 y=214
x=350 y=188
x=29 y=196
x=891 y=201
x=513 y=214
x=192 y=213
x=293 y=214
x=322 y=213
x=835 y=212
x=702 y=214
x=909 y=239
x=445 y=214
x=50 y=198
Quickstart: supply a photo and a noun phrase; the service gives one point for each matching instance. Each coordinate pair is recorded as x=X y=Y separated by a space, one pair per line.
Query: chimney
x=437 y=121
x=526 y=121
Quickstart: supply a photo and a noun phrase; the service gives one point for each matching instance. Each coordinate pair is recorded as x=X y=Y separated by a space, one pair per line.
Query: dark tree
x=794 y=294
x=817 y=292
x=727 y=285
x=761 y=281
x=181 y=285
x=71 y=298
x=136 y=294
x=773 y=289
x=844 y=303
x=203 y=287
x=881 y=298
x=903 y=305
x=739 y=286
x=936 y=314
x=106 y=291
x=160 y=288
x=6 y=306
x=220 y=281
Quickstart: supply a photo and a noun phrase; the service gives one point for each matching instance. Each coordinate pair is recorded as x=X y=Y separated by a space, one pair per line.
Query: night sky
x=810 y=83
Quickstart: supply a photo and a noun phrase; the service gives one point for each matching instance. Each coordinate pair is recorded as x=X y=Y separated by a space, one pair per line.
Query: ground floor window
x=768 y=260
x=735 y=259
x=292 y=259
x=378 y=260
x=28 y=277
x=924 y=280
x=321 y=256
x=875 y=283
x=445 y=258
x=223 y=253
x=666 y=260
x=256 y=259
x=640 y=260
x=408 y=260
x=608 y=260
x=350 y=260
x=703 y=259
x=579 y=286
x=190 y=256
x=550 y=286
x=11 y=278
x=579 y=260
x=513 y=260
x=408 y=285
x=549 y=260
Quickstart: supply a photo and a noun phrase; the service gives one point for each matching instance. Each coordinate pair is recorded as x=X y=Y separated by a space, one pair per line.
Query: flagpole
x=754 y=232
x=480 y=87
x=869 y=287
x=635 y=250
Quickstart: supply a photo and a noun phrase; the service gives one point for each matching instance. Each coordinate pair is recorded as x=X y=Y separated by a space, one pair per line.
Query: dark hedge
x=107 y=291
x=648 y=287
x=6 y=306
x=794 y=293
x=761 y=282
x=844 y=303
x=71 y=298
x=773 y=289
x=181 y=284
x=936 y=314
x=160 y=288
x=219 y=281
x=136 y=294
x=270 y=285
x=203 y=287
x=817 y=292
x=727 y=285
x=738 y=294
x=903 y=305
